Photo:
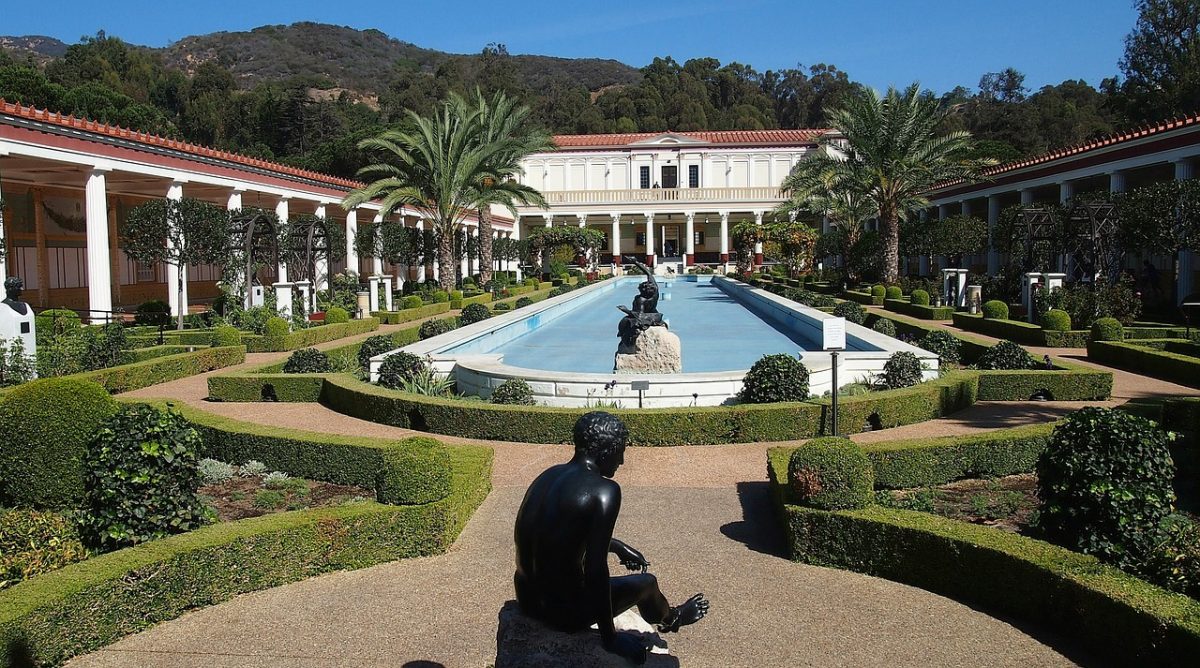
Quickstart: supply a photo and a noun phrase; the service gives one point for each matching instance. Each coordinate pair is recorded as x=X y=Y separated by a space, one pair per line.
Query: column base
x=724 y=258
x=758 y=259
x=689 y=259
x=649 y=260
x=617 y=259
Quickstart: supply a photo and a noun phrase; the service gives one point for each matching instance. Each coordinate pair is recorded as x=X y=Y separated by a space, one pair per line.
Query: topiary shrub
x=502 y=306
x=276 y=328
x=513 y=391
x=412 y=301
x=307 y=360
x=1006 y=355
x=903 y=369
x=524 y=301
x=415 y=470
x=851 y=311
x=995 y=310
x=1104 y=482
x=226 y=335
x=456 y=295
x=878 y=291
x=919 y=297
x=1056 y=320
x=474 y=313
x=33 y=542
x=440 y=297
x=560 y=290
x=432 y=328
x=142 y=477
x=894 y=292
x=778 y=377
x=1107 y=329
x=372 y=346
x=885 y=327
x=336 y=315
x=398 y=368
x=945 y=345
x=154 y=312
x=45 y=426
x=831 y=473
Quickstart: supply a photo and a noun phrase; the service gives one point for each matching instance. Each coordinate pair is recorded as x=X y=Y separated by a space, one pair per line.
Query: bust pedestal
x=17 y=325
x=656 y=350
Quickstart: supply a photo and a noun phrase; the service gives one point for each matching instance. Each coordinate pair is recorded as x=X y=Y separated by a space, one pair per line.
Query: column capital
x=689 y=216
x=758 y=216
x=101 y=168
x=724 y=216
x=179 y=180
x=238 y=189
x=616 y=217
x=649 y=216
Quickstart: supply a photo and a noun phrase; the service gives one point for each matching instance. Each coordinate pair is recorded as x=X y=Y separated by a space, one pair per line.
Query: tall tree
x=890 y=146
x=1162 y=60
x=847 y=206
x=504 y=126
x=181 y=232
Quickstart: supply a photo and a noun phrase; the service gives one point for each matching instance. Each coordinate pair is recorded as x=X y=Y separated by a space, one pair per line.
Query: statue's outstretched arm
x=630 y=558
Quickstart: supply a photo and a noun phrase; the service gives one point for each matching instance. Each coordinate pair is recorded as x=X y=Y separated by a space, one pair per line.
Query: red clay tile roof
x=762 y=137
x=1129 y=135
x=67 y=121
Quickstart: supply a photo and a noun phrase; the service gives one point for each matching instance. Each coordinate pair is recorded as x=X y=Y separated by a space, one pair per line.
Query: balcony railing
x=653 y=195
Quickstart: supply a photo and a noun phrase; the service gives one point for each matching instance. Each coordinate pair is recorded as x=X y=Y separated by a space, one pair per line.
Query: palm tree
x=504 y=123
x=848 y=206
x=891 y=146
x=432 y=164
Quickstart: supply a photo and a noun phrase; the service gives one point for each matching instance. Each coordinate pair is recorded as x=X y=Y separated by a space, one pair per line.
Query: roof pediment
x=668 y=139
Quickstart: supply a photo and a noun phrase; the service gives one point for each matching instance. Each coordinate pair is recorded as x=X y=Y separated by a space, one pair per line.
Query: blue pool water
x=717 y=333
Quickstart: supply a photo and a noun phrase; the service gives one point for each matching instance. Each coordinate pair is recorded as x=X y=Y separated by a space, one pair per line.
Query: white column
x=351 y=240
x=1116 y=181
x=724 y=237
x=758 y=246
x=516 y=236
x=281 y=212
x=993 y=216
x=99 y=267
x=1066 y=190
x=649 y=238
x=1184 y=170
x=615 y=238
x=235 y=200
x=1026 y=195
x=689 y=254
x=175 y=193
x=923 y=260
x=321 y=279
x=420 y=227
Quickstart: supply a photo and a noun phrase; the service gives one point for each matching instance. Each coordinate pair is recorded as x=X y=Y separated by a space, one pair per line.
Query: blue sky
x=941 y=44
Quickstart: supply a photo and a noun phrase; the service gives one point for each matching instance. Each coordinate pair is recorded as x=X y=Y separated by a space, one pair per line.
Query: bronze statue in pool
x=644 y=313
x=564 y=536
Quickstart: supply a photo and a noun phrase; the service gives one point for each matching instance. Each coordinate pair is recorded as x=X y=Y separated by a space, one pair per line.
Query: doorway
x=670 y=176
x=670 y=241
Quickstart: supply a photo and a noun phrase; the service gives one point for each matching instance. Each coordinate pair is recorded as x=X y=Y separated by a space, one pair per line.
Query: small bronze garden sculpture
x=644 y=313
x=563 y=538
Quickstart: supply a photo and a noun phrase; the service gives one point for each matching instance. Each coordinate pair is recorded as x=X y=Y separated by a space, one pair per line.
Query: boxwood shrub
x=851 y=311
x=893 y=292
x=919 y=297
x=414 y=471
x=1006 y=355
x=831 y=473
x=1056 y=320
x=995 y=310
x=514 y=392
x=775 y=378
x=226 y=335
x=336 y=315
x=1107 y=329
x=412 y=301
x=45 y=426
x=878 y=291
x=307 y=360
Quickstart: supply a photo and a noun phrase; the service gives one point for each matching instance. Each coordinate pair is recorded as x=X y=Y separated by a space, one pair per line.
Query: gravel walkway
x=700 y=514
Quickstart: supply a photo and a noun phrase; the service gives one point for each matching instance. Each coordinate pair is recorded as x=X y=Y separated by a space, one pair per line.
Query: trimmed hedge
x=1112 y=613
x=304 y=338
x=831 y=473
x=129 y=377
x=1138 y=356
x=1067 y=382
x=136 y=355
x=1021 y=332
x=924 y=312
x=864 y=298
x=410 y=314
x=88 y=605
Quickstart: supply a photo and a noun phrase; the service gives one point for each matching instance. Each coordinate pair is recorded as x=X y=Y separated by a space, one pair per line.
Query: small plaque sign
x=834 y=333
x=640 y=385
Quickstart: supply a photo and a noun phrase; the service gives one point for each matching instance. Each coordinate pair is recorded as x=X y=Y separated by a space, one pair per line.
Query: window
x=693 y=176
x=670 y=176
x=644 y=172
x=145 y=273
x=698 y=238
x=640 y=239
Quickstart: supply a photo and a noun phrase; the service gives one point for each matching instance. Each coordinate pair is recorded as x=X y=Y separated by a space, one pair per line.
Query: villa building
x=667 y=197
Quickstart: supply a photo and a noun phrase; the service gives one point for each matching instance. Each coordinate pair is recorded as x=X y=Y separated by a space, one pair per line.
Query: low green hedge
x=533 y=296
x=919 y=311
x=1114 y=614
x=410 y=314
x=864 y=298
x=303 y=338
x=136 y=355
x=1142 y=358
x=129 y=377
x=53 y=617
x=1067 y=382
x=923 y=462
x=972 y=347
x=1021 y=332
x=482 y=298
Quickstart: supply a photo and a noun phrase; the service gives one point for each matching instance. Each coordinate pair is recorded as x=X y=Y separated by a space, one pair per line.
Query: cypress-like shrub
x=513 y=391
x=474 y=313
x=831 y=473
x=885 y=327
x=1105 y=485
x=851 y=311
x=995 y=310
x=919 y=297
x=336 y=315
x=1107 y=329
x=307 y=360
x=1056 y=320
x=773 y=378
x=903 y=369
x=398 y=368
x=45 y=426
x=142 y=477
x=943 y=344
x=432 y=328
x=894 y=292
x=1007 y=356
x=523 y=302
x=372 y=346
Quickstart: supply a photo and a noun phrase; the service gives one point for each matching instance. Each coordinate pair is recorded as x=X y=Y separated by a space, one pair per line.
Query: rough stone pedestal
x=656 y=350
x=523 y=642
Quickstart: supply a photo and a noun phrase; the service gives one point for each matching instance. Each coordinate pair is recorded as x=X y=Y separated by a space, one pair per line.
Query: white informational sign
x=834 y=331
